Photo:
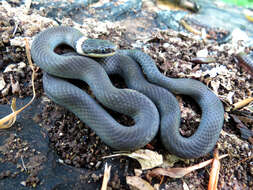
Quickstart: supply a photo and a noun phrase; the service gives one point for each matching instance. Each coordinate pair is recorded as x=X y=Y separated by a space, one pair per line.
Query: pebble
x=202 y=53
x=23 y=183
x=60 y=161
x=166 y=45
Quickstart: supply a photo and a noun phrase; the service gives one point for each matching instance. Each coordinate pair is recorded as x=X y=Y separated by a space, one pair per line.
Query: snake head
x=95 y=47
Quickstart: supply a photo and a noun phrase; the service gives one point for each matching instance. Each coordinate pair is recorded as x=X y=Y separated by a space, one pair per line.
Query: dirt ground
x=77 y=145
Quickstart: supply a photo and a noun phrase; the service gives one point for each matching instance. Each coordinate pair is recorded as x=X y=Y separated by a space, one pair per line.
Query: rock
x=202 y=53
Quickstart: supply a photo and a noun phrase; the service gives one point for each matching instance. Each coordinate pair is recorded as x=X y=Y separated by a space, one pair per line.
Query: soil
x=79 y=148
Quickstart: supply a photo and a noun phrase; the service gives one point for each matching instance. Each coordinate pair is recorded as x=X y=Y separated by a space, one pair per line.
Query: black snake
x=150 y=103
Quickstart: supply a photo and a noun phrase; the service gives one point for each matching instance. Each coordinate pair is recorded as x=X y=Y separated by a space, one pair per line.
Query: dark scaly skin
x=207 y=134
x=145 y=116
x=126 y=101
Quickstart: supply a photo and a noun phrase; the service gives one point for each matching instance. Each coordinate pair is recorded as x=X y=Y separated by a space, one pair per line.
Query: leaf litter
x=232 y=82
x=7 y=121
x=180 y=172
x=148 y=159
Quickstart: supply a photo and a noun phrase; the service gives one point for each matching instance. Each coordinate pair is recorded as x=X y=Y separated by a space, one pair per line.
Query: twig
x=214 y=174
x=242 y=103
x=106 y=177
x=23 y=164
x=243 y=160
x=15 y=29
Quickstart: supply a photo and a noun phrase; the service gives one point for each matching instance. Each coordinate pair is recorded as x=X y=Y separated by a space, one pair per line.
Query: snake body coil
x=126 y=101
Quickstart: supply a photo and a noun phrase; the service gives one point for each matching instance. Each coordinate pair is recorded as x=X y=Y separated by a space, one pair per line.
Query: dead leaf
x=171 y=159
x=138 y=183
x=215 y=85
x=10 y=119
x=245 y=132
x=106 y=178
x=180 y=172
x=148 y=159
x=218 y=70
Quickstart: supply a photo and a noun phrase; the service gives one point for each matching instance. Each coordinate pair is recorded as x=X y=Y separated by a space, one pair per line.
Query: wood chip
x=106 y=178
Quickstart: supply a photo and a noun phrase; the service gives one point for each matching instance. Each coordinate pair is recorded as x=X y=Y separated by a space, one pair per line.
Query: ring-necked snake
x=149 y=101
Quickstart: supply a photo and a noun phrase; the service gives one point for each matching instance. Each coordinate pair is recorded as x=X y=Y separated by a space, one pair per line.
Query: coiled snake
x=150 y=103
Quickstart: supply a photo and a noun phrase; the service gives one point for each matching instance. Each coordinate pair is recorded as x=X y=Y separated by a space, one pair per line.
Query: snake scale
x=148 y=101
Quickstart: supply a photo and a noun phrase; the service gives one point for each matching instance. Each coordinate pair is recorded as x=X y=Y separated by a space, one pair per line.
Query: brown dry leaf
x=148 y=159
x=106 y=177
x=10 y=119
x=180 y=172
x=214 y=174
x=242 y=103
x=171 y=159
x=138 y=183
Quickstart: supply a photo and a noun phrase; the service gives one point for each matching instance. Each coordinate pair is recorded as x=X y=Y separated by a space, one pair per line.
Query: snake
x=149 y=98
